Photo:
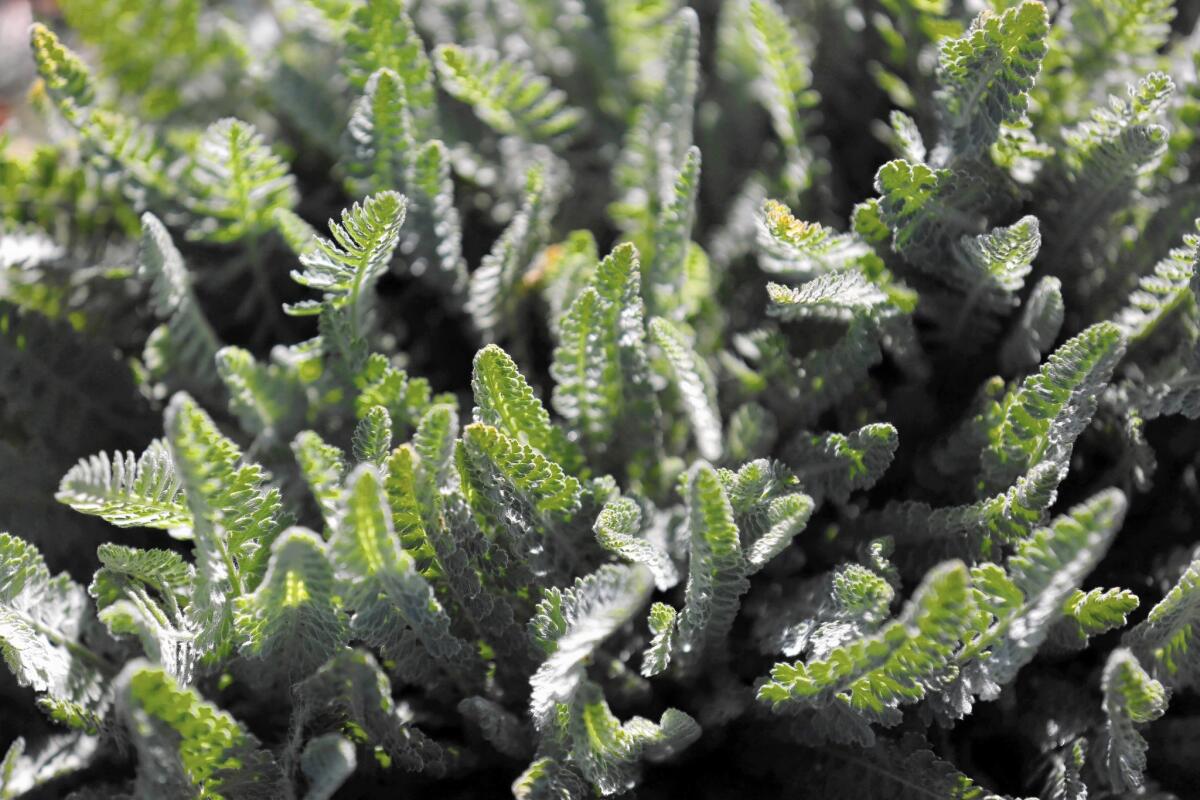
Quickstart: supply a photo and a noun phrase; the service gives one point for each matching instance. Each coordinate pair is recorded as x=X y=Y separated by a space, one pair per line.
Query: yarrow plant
x=572 y=399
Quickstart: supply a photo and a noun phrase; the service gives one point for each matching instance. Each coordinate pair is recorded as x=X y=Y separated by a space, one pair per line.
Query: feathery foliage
x=741 y=398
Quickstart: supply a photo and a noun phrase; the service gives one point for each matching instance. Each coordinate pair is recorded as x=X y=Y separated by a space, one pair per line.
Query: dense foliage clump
x=457 y=398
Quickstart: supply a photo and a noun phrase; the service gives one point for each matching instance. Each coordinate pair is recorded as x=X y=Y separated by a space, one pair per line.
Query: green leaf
x=411 y=520
x=505 y=401
x=907 y=141
x=345 y=267
x=695 y=384
x=832 y=465
x=144 y=593
x=601 y=365
x=992 y=267
x=976 y=529
x=1064 y=777
x=449 y=550
x=1050 y=409
x=434 y=445
x=657 y=657
x=658 y=139
x=541 y=482
x=435 y=221
x=236 y=184
x=837 y=296
x=751 y=433
x=570 y=624
x=42 y=620
x=191 y=355
x=291 y=619
x=618 y=530
x=67 y=78
x=716 y=572
x=666 y=272
x=804 y=250
x=298 y=235
x=547 y=779
x=767 y=513
x=381 y=133
x=872 y=676
x=163 y=570
x=404 y=398
x=505 y=93
x=787 y=84
x=1036 y=329
x=386 y=154
x=394 y=607
x=1097 y=170
x=1131 y=698
x=187 y=746
x=1091 y=613
x=235 y=518
x=381 y=36
x=128 y=491
x=926 y=209
x=1026 y=602
x=986 y=76
x=323 y=466
x=268 y=399
x=1165 y=638
x=1158 y=295
x=609 y=752
x=372 y=440
x=497 y=287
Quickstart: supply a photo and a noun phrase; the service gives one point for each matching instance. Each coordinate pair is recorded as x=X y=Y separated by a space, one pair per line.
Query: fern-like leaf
x=618 y=529
x=505 y=400
x=1049 y=410
x=190 y=352
x=833 y=465
x=372 y=440
x=127 y=490
x=381 y=35
x=695 y=384
x=837 y=296
x=1165 y=638
x=716 y=571
x=506 y=94
x=236 y=183
x=42 y=620
x=186 y=745
x=986 y=75
x=570 y=623
x=871 y=677
x=386 y=592
x=345 y=267
x=1131 y=698
x=609 y=753
x=601 y=366
x=235 y=519
x=291 y=619
x=787 y=84
x=657 y=656
x=496 y=290
x=1034 y=332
